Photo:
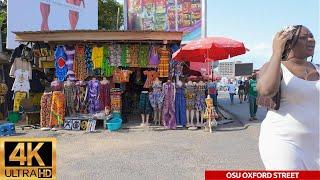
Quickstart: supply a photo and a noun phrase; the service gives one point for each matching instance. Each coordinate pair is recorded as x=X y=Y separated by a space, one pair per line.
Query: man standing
x=232 y=91
x=246 y=89
x=253 y=97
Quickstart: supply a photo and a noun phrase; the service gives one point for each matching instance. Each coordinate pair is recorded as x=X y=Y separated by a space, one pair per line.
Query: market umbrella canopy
x=209 y=49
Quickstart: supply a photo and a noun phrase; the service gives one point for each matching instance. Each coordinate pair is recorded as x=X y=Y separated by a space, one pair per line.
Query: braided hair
x=291 y=43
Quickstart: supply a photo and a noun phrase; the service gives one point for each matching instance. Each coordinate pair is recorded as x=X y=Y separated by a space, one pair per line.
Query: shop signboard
x=165 y=15
x=243 y=69
x=45 y=15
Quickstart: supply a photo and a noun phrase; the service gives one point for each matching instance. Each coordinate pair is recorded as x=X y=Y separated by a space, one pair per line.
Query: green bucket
x=14 y=117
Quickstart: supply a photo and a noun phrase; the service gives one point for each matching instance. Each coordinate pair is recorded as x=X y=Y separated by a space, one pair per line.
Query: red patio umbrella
x=209 y=49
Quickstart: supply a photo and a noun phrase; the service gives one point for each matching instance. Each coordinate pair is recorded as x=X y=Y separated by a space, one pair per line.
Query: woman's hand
x=279 y=42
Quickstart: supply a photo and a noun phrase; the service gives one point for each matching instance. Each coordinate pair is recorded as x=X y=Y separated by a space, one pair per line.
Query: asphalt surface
x=145 y=153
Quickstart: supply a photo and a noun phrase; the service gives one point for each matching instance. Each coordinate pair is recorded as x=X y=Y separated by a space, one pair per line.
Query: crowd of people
x=247 y=92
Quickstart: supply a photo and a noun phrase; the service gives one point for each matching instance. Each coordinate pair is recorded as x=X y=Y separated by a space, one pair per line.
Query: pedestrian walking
x=232 y=91
x=289 y=135
x=241 y=91
x=246 y=90
x=253 y=93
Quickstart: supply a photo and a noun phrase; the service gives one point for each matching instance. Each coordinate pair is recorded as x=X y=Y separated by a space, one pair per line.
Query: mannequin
x=168 y=111
x=180 y=105
x=105 y=93
x=156 y=100
x=80 y=97
x=210 y=113
x=190 y=101
x=92 y=95
x=69 y=93
x=145 y=107
x=200 y=102
x=57 y=112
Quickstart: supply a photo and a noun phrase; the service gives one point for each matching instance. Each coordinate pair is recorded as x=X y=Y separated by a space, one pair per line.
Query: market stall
x=93 y=71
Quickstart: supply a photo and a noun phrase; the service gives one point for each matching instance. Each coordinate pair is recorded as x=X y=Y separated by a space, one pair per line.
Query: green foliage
x=107 y=18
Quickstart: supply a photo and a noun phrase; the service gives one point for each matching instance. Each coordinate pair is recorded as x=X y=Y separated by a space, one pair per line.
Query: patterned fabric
x=143 y=59
x=151 y=77
x=3 y=89
x=57 y=109
x=18 y=97
x=132 y=56
x=154 y=56
x=88 y=60
x=180 y=103
x=124 y=49
x=105 y=95
x=116 y=76
x=168 y=111
x=56 y=86
x=46 y=101
x=107 y=69
x=121 y=76
x=93 y=96
x=200 y=97
x=164 y=63
x=115 y=95
x=81 y=106
x=97 y=57
x=190 y=94
x=69 y=94
x=115 y=55
x=144 y=104
x=60 y=63
x=80 y=69
x=157 y=96
x=70 y=63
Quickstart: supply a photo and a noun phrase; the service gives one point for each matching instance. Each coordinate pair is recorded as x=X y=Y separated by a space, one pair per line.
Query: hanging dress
x=180 y=103
x=168 y=111
x=60 y=63
x=105 y=100
x=200 y=97
x=190 y=94
x=156 y=96
x=93 y=93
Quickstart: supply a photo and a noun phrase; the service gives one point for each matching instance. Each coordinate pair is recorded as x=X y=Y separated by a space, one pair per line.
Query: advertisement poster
x=160 y=15
x=45 y=15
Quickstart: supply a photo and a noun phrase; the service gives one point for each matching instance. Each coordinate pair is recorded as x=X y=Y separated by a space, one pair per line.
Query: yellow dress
x=97 y=56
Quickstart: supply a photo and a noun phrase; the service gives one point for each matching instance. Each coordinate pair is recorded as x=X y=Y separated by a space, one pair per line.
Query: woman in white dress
x=289 y=137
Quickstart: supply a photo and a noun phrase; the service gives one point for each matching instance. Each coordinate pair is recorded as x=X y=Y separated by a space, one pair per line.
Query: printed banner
x=46 y=15
x=160 y=15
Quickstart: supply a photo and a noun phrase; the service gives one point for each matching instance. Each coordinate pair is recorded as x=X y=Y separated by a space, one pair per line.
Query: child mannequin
x=210 y=113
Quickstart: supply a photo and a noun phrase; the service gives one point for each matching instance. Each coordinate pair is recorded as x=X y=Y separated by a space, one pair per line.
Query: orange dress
x=164 y=62
x=151 y=77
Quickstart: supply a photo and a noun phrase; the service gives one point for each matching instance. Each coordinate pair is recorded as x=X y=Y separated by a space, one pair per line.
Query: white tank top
x=297 y=120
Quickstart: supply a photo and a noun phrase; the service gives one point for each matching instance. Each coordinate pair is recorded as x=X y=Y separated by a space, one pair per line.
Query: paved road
x=155 y=154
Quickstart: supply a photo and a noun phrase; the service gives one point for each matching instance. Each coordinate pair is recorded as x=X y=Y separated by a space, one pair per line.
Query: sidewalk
x=240 y=111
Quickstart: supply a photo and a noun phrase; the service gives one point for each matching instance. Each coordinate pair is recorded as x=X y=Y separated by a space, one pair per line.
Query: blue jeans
x=253 y=106
x=231 y=97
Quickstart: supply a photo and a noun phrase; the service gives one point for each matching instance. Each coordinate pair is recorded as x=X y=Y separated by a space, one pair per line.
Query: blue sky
x=255 y=22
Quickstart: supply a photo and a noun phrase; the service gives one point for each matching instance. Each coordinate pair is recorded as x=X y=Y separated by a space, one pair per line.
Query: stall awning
x=98 y=35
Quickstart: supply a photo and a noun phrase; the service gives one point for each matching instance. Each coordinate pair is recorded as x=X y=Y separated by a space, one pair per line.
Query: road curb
x=234 y=115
